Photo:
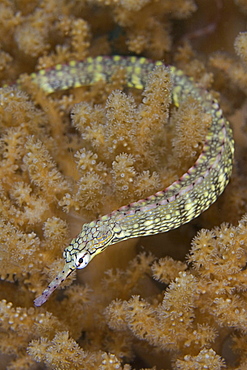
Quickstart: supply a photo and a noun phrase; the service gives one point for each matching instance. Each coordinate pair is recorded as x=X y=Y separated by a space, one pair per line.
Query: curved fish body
x=176 y=205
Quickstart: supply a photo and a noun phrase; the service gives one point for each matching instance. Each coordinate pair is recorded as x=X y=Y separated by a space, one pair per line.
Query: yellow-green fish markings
x=182 y=201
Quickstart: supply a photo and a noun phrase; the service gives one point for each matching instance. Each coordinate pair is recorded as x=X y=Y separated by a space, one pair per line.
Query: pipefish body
x=165 y=210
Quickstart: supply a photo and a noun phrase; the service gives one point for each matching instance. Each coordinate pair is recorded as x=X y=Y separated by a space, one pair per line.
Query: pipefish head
x=92 y=240
x=74 y=260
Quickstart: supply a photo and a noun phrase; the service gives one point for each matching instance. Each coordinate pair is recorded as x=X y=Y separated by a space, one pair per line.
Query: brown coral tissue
x=173 y=301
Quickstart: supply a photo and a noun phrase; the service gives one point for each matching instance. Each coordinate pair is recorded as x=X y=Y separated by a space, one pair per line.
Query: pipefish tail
x=182 y=201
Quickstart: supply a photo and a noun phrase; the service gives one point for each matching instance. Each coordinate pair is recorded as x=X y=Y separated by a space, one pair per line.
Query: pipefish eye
x=82 y=259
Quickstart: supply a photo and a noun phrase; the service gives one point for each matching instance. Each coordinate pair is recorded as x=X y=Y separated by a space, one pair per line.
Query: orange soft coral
x=58 y=171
